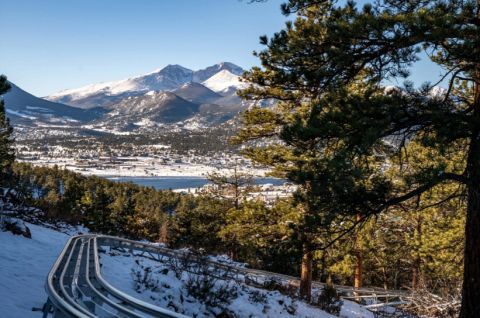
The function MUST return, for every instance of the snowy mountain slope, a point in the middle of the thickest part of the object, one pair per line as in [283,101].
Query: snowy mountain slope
[210,115]
[197,93]
[154,106]
[100,100]
[24,108]
[224,82]
[229,98]
[202,75]
[170,78]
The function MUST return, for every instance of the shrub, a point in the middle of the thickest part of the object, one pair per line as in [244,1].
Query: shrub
[142,277]
[257,296]
[207,290]
[329,300]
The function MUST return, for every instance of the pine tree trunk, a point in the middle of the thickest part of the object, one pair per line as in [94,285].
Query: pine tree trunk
[385,282]
[306,278]
[307,259]
[416,271]
[359,262]
[471,274]
[416,260]
[233,254]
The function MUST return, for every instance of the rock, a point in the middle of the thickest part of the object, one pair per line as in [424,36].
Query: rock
[17,230]
[27,233]
[164,271]
[18,227]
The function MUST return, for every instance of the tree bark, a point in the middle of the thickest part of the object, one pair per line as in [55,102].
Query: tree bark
[385,282]
[471,274]
[306,278]
[234,248]
[416,272]
[416,260]
[359,256]
[307,259]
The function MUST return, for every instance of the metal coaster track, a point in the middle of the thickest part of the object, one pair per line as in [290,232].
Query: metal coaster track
[76,288]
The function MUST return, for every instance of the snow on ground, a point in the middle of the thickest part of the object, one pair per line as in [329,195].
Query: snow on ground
[25,263]
[153,170]
[117,269]
[19,114]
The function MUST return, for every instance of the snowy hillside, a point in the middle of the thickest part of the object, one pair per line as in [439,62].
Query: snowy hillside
[25,264]
[156,106]
[26,109]
[223,82]
[166,289]
[197,93]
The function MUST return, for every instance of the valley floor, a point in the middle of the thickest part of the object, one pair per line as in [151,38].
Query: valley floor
[153,170]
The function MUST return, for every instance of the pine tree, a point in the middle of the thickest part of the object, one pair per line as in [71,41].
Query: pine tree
[198,222]
[232,188]
[264,234]
[320,58]
[7,153]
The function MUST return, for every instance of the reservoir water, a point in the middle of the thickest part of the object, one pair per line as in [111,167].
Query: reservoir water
[165,183]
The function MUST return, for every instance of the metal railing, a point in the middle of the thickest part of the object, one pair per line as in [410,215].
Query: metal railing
[76,288]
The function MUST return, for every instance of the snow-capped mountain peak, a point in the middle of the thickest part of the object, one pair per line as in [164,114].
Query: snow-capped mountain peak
[169,78]
[223,81]
[202,75]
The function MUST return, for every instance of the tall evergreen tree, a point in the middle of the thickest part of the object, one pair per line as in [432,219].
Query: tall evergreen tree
[347,134]
[7,153]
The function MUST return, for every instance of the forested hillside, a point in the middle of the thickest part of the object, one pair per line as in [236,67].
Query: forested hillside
[398,249]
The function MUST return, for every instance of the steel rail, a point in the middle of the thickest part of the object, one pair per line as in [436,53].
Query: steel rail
[60,305]
[104,298]
[132,301]
[145,247]
[76,288]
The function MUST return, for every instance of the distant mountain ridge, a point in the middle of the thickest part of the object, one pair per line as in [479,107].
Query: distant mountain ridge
[170,98]
[168,78]
[25,109]
[197,93]
[151,107]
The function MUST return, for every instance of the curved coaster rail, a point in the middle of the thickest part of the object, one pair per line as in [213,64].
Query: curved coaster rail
[76,288]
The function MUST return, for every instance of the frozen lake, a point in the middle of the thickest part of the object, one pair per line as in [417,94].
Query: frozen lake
[179,182]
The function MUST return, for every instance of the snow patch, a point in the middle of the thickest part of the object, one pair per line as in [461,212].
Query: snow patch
[42,109]
[19,114]
[222,81]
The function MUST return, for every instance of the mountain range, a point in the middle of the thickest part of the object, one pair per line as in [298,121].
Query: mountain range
[168,78]
[170,97]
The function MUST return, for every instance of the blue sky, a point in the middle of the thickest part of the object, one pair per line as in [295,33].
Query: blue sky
[50,45]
